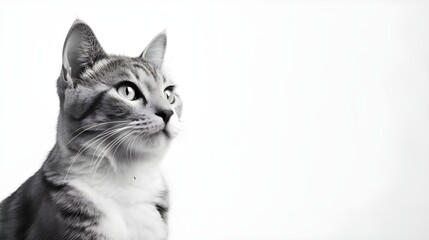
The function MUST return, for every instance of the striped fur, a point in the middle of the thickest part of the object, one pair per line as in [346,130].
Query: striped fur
[101,180]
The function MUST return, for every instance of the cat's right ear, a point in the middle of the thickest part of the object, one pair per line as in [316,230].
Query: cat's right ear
[81,50]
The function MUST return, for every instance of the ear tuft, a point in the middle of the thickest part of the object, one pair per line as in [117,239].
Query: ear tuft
[81,50]
[155,51]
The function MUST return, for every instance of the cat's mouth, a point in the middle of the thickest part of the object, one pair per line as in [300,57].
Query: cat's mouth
[166,132]
[163,132]
[155,131]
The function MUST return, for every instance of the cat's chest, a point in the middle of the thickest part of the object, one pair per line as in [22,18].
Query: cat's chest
[135,222]
[128,211]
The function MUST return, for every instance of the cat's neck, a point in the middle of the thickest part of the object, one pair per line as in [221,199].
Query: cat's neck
[63,166]
[140,182]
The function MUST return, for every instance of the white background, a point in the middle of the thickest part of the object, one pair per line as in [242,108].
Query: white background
[304,120]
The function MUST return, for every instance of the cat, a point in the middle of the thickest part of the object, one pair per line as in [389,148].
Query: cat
[101,180]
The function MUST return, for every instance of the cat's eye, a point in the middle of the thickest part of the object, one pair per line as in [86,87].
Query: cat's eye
[169,95]
[128,91]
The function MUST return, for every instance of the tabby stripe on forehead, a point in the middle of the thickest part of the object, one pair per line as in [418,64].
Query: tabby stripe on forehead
[100,64]
[134,72]
[152,70]
[135,65]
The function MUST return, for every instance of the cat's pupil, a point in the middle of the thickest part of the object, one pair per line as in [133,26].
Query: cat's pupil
[127,91]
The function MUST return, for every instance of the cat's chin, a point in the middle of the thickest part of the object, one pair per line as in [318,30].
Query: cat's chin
[138,148]
[157,142]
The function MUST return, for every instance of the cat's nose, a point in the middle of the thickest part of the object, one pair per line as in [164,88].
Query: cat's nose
[164,114]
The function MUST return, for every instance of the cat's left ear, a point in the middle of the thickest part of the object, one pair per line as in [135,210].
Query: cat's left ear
[155,51]
[81,50]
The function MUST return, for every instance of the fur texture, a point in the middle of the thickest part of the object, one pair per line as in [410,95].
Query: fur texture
[101,180]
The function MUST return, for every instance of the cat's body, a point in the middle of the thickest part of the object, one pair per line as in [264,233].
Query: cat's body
[102,179]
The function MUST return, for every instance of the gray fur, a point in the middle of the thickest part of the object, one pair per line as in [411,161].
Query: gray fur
[46,206]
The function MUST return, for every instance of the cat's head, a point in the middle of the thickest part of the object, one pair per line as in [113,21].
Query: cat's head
[115,106]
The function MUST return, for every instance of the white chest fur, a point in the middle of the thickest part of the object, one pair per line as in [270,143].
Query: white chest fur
[127,204]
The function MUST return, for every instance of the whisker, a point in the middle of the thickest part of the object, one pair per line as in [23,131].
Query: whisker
[128,151]
[123,140]
[90,127]
[104,139]
[107,149]
[141,136]
[83,148]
